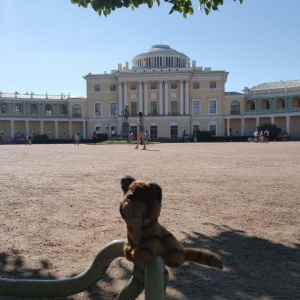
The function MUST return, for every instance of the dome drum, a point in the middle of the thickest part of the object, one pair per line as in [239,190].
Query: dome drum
[161,56]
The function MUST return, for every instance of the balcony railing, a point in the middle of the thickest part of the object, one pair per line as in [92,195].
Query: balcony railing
[76,115]
[235,112]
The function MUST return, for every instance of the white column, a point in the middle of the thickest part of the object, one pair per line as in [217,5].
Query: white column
[146,98]
[12,129]
[257,122]
[187,97]
[84,129]
[56,129]
[181,98]
[272,120]
[125,94]
[242,127]
[140,108]
[27,127]
[41,127]
[120,98]
[288,124]
[160,92]
[228,127]
[166,98]
[70,129]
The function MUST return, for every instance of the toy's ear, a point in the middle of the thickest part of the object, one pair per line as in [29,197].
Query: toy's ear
[125,183]
[156,190]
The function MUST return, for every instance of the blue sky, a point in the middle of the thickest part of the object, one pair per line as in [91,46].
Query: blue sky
[49,45]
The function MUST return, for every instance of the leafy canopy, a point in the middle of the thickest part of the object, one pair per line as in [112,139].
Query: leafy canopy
[184,7]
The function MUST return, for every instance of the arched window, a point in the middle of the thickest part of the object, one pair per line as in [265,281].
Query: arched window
[48,109]
[4,108]
[63,109]
[33,109]
[235,107]
[76,111]
[19,109]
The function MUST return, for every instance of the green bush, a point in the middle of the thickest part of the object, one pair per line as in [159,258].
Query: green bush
[101,137]
[273,129]
[203,136]
[41,139]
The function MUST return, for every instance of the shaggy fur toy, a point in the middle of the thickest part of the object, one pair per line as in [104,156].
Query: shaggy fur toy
[140,207]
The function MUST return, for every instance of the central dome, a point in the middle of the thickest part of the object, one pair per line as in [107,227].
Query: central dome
[161,56]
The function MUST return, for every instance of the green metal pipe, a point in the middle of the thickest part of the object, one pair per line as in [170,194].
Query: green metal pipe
[35,288]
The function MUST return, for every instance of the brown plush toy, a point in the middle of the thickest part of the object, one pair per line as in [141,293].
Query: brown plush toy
[140,207]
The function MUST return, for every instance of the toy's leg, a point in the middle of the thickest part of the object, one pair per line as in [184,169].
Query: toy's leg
[135,285]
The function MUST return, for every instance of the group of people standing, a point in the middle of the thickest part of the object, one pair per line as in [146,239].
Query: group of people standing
[262,136]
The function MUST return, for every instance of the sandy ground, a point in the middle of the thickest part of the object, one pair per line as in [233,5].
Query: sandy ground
[59,207]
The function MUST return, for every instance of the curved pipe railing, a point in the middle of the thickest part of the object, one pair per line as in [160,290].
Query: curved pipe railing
[65,287]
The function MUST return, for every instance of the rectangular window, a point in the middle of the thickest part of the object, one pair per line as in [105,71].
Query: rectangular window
[113,109]
[173,85]
[153,86]
[153,108]
[213,129]
[174,132]
[196,107]
[133,109]
[98,109]
[153,132]
[113,87]
[212,106]
[97,88]
[173,108]
[212,84]
[196,85]
[133,87]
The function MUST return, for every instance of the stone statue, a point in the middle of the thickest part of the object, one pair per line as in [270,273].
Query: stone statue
[125,113]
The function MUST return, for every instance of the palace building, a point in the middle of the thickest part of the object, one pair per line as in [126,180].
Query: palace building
[176,96]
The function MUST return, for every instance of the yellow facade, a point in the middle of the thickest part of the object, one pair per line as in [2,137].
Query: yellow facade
[175,96]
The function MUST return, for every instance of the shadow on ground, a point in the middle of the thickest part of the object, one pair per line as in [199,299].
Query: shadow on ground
[255,268]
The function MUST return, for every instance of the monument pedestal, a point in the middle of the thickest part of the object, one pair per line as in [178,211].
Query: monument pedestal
[125,130]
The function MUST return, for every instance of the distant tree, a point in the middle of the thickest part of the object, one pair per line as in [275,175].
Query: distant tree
[273,129]
[184,7]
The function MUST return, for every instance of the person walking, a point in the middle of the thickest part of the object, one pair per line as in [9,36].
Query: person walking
[76,140]
[130,137]
[94,138]
[141,134]
[266,134]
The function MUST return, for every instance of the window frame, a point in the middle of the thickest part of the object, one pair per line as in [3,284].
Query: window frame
[194,108]
[196,85]
[174,85]
[153,86]
[113,109]
[153,106]
[96,113]
[212,84]
[133,86]
[133,108]
[113,88]
[210,103]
